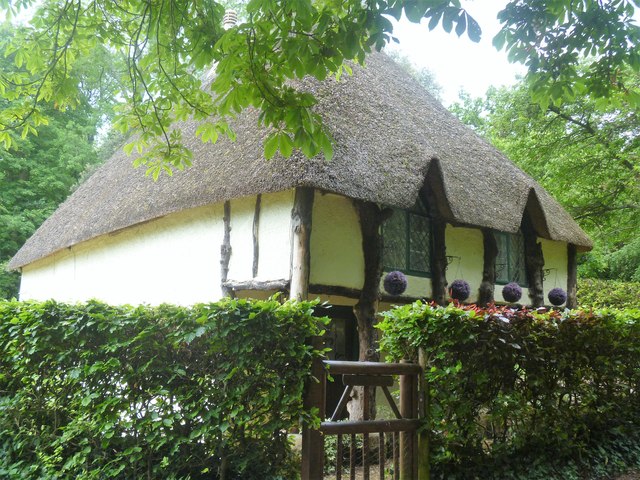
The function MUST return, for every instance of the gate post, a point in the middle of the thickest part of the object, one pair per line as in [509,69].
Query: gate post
[406,438]
[424,460]
[313,440]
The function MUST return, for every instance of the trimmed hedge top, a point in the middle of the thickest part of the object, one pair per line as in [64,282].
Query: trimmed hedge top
[524,394]
[93,391]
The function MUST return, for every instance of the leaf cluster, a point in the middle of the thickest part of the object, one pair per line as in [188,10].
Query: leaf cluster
[553,39]
[595,293]
[168,44]
[524,394]
[94,391]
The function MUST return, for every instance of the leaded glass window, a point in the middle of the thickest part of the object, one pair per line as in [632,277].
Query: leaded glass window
[407,241]
[510,263]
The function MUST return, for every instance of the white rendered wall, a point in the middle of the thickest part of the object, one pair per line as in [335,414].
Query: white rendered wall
[416,286]
[175,259]
[466,247]
[241,262]
[336,242]
[555,265]
[274,260]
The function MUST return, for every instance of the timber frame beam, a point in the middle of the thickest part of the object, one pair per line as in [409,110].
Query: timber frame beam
[572,276]
[225,251]
[534,261]
[487,287]
[301,216]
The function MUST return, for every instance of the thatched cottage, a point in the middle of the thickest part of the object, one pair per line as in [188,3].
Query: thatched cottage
[406,174]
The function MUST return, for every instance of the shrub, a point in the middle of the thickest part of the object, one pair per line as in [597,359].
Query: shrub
[524,394]
[593,293]
[94,391]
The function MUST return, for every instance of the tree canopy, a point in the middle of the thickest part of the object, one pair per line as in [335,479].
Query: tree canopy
[585,154]
[167,45]
[37,172]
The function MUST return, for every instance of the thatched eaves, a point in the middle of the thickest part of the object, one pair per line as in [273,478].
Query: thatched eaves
[387,129]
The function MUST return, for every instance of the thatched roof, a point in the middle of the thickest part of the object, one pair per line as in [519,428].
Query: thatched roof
[388,130]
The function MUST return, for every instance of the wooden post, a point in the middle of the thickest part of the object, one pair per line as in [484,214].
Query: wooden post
[424,460]
[487,286]
[406,438]
[572,276]
[225,251]
[313,440]
[439,262]
[256,236]
[534,261]
[415,381]
[300,248]
[370,218]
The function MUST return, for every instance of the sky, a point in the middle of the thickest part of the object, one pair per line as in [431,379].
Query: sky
[457,62]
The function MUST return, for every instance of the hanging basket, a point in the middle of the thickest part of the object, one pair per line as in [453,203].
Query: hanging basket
[460,290]
[395,283]
[512,292]
[557,296]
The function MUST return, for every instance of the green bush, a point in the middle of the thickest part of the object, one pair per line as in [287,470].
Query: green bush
[517,394]
[594,293]
[95,392]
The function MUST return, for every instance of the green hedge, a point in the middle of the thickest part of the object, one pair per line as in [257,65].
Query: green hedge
[95,392]
[525,394]
[594,293]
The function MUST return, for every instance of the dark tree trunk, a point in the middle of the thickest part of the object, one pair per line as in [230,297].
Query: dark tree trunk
[300,251]
[371,218]
[534,261]
[225,251]
[488,284]
[439,264]
[572,276]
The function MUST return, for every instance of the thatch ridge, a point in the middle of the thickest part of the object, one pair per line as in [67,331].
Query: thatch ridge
[387,130]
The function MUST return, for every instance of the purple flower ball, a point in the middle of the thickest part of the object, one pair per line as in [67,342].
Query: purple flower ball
[395,283]
[512,292]
[460,290]
[557,296]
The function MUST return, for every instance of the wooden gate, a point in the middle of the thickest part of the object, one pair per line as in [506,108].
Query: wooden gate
[393,454]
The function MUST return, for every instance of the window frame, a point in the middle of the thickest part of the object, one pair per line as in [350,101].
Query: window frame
[509,266]
[418,211]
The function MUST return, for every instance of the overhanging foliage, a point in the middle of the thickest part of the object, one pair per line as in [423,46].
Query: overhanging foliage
[168,43]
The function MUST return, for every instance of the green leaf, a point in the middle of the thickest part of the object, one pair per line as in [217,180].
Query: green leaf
[128,148]
[208,132]
[285,144]
[449,16]
[271,146]
[327,147]
[499,39]
[461,25]
[474,31]
[415,10]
